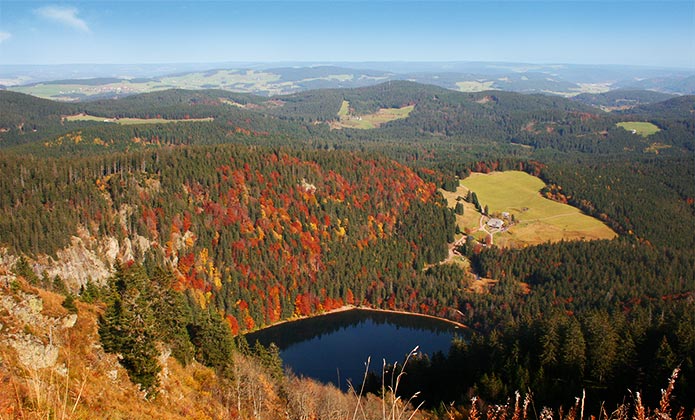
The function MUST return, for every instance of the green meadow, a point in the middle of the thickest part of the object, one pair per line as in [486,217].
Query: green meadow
[642,128]
[369,121]
[538,218]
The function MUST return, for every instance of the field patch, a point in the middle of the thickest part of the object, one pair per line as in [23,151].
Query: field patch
[249,81]
[75,91]
[365,122]
[238,81]
[232,103]
[642,128]
[516,195]
[474,86]
[344,110]
[656,147]
[131,121]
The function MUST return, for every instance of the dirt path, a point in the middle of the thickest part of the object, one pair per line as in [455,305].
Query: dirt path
[452,250]
[482,227]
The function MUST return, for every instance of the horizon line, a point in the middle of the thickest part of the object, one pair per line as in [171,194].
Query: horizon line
[317,63]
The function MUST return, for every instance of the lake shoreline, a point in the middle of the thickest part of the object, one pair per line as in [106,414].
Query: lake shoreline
[346,308]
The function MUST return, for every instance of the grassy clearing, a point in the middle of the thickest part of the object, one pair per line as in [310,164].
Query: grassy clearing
[470,219]
[130,121]
[232,103]
[538,219]
[344,110]
[642,128]
[369,121]
[473,86]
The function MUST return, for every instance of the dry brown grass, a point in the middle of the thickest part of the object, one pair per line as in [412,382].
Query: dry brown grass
[634,410]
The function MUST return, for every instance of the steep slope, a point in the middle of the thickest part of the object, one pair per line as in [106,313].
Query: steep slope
[262,235]
[53,365]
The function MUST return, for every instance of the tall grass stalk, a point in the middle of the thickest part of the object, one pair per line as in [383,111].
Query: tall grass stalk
[359,396]
[43,393]
[398,409]
[392,406]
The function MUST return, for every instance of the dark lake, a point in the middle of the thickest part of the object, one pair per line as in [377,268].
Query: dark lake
[335,347]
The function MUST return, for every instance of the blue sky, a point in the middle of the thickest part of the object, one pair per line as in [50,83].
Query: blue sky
[656,33]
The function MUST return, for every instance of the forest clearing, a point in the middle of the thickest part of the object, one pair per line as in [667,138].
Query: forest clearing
[369,121]
[644,129]
[536,219]
[131,121]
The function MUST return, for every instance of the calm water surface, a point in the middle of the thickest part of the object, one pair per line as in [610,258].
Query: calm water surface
[335,347]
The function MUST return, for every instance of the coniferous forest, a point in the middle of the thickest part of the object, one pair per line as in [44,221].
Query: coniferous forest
[265,213]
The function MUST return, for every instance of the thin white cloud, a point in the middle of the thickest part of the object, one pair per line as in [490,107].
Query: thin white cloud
[63,15]
[4,36]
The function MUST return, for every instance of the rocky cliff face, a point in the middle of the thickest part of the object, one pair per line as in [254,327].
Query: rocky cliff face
[79,262]
[35,337]
[88,258]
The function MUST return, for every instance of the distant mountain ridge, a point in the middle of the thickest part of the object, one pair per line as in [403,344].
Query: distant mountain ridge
[621,99]
[268,80]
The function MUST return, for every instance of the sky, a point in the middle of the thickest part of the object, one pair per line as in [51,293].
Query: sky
[650,33]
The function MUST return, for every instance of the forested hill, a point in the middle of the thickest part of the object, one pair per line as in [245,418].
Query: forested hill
[494,117]
[22,115]
[682,107]
[196,103]
[450,131]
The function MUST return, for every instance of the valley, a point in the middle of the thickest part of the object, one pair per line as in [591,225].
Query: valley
[347,210]
[337,340]
[258,211]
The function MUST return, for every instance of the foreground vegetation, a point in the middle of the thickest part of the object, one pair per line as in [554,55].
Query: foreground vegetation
[84,382]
